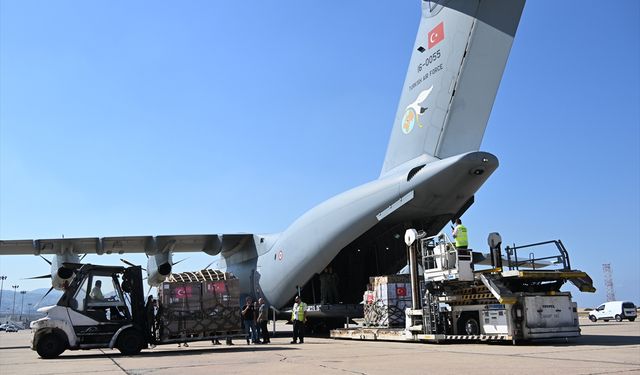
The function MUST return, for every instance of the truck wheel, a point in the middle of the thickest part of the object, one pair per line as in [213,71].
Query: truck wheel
[632,319]
[130,342]
[50,346]
[471,327]
[618,318]
[593,318]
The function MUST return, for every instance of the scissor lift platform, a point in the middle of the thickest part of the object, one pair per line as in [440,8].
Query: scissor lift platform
[521,301]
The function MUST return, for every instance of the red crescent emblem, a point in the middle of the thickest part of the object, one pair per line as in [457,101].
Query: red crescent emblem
[183,292]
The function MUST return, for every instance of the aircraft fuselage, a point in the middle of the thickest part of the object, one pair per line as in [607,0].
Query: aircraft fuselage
[313,241]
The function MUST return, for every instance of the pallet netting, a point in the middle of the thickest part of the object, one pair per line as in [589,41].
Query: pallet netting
[386,300]
[217,321]
[202,275]
[199,304]
[382,314]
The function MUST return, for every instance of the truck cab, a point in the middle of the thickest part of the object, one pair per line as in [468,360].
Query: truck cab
[102,308]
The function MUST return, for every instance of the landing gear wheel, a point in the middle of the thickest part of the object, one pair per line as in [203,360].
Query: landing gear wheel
[471,327]
[50,346]
[593,318]
[130,342]
[618,318]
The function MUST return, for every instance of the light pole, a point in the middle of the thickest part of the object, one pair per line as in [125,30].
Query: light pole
[2,279]
[23,292]
[13,309]
[29,311]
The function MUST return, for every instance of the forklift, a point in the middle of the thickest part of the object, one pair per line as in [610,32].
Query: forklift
[81,321]
[104,307]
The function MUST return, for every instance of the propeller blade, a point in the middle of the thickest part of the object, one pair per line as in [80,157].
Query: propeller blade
[82,257]
[45,296]
[208,265]
[181,260]
[37,277]
[45,259]
[129,263]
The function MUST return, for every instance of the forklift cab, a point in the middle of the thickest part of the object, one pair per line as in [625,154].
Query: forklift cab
[103,300]
[100,297]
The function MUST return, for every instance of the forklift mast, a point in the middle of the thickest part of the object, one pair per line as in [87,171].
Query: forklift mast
[132,284]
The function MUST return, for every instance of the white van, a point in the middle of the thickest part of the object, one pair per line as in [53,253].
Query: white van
[617,310]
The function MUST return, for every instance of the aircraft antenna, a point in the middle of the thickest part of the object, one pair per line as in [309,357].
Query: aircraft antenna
[608,282]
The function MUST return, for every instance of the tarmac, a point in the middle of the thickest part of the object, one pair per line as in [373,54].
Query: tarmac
[603,348]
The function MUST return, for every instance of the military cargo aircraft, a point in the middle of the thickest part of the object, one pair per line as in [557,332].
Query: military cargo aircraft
[429,176]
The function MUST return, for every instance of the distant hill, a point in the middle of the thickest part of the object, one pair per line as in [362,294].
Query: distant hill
[32,297]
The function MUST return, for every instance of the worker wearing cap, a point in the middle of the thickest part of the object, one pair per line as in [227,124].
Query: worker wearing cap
[460,235]
[298,317]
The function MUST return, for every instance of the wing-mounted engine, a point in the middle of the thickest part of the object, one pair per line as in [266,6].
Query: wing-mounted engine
[159,266]
[66,257]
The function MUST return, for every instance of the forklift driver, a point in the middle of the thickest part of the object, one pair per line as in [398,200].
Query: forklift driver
[96,292]
[102,308]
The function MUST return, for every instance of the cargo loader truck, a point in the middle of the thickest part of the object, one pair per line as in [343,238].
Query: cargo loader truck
[105,307]
[517,299]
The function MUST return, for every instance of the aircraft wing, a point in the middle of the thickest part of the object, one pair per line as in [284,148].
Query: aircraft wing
[212,244]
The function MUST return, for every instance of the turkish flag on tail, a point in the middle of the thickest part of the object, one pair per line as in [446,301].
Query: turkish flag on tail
[436,35]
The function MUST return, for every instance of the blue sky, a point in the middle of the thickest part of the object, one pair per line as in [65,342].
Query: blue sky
[148,118]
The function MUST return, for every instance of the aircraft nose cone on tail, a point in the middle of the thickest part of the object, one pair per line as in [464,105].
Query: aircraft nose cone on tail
[481,162]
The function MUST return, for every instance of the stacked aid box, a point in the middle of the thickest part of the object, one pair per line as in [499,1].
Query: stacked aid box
[199,304]
[386,301]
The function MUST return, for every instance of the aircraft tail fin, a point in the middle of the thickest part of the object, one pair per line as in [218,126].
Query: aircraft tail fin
[458,59]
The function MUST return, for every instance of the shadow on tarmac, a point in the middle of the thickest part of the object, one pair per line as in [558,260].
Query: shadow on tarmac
[150,353]
[584,340]
[604,340]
